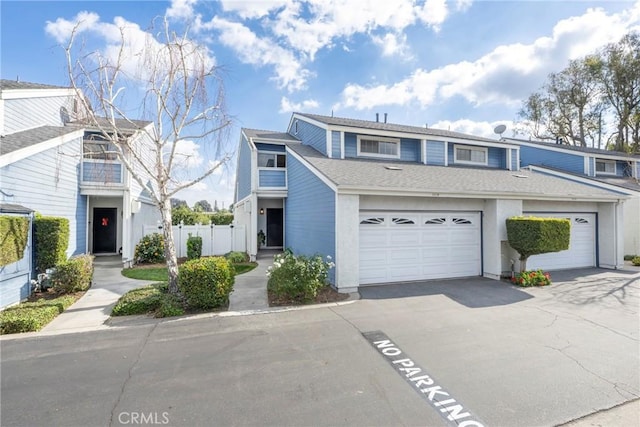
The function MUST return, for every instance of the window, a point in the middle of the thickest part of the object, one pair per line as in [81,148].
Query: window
[470,155]
[372,221]
[97,150]
[606,167]
[378,147]
[272,160]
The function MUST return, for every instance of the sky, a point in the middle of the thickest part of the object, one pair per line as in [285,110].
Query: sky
[463,65]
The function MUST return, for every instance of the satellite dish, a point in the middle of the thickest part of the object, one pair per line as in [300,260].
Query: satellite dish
[499,129]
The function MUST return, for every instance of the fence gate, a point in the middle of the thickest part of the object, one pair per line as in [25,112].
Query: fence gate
[216,239]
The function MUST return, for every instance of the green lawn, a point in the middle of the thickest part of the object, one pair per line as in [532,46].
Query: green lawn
[159,274]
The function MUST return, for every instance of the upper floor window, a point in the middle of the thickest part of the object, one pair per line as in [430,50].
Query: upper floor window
[606,167]
[379,147]
[467,154]
[99,150]
[272,160]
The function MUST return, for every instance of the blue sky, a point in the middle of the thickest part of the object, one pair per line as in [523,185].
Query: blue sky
[462,65]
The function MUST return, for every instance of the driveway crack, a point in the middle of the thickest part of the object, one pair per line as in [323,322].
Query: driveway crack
[130,373]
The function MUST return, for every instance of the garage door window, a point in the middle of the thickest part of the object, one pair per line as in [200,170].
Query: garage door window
[403,221]
[372,221]
[435,221]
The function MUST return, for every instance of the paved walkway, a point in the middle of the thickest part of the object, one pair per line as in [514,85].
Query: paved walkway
[250,289]
[94,308]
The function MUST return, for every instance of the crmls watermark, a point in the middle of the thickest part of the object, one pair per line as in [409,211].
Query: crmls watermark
[139,418]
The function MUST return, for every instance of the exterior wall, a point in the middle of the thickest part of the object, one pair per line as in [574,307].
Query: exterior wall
[148,214]
[267,204]
[15,278]
[243,171]
[261,146]
[637,175]
[102,172]
[624,168]
[272,178]
[49,183]
[28,113]
[631,212]
[592,166]
[336,152]
[497,253]
[549,206]
[436,153]
[350,145]
[310,210]
[312,135]
[146,150]
[242,217]
[554,159]
[410,150]
[515,161]
[348,243]
[420,204]
[610,236]
[496,157]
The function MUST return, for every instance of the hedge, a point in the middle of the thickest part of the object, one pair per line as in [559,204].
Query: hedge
[32,316]
[206,282]
[51,237]
[73,275]
[533,236]
[15,235]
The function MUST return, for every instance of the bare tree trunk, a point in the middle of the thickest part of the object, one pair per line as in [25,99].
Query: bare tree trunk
[169,247]
[523,264]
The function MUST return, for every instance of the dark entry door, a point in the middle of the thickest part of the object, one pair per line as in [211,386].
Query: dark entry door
[274,227]
[104,230]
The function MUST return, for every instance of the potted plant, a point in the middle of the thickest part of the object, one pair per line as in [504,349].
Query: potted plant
[261,238]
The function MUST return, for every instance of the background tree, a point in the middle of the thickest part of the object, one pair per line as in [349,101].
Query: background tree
[202,206]
[169,80]
[178,202]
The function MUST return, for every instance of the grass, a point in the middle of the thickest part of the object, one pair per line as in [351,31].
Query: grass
[159,274]
[34,315]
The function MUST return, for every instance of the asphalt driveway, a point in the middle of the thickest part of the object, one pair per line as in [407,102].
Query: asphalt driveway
[503,355]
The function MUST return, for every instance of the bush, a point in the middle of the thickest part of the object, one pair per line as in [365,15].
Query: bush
[532,236]
[152,299]
[150,249]
[194,247]
[636,261]
[298,278]
[206,282]
[630,257]
[237,257]
[32,316]
[15,232]
[51,240]
[532,278]
[73,275]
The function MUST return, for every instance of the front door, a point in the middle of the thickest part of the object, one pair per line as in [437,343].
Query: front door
[104,230]
[274,227]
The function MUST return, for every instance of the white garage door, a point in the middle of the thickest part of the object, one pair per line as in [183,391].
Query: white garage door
[405,246]
[582,247]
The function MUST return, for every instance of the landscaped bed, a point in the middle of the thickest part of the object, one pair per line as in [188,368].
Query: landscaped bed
[34,314]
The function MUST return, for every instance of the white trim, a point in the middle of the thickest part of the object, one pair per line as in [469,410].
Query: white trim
[36,93]
[273,141]
[586,165]
[446,153]
[308,120]
[23,153]
[584,180]
[508,151]
[252,147]
[518,159]
[423,147]
[606,162]
[312,169]
[378,139]
[341,144]
[2,116]
[456,161]
[329,144]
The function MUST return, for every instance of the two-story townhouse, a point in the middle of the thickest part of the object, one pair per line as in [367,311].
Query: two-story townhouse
[396,203]
[609,169]
[53,164]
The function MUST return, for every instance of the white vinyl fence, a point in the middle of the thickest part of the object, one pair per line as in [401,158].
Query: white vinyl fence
[216,239]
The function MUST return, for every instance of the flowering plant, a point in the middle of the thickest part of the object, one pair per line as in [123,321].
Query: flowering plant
[532,278]
[298,277]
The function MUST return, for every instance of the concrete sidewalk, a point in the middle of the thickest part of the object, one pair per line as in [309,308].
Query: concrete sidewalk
[250,289]
[91,311]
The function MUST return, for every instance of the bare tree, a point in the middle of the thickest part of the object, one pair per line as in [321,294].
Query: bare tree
[174,85]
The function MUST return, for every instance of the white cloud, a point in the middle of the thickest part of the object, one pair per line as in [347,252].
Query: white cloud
[433,13]
[508,73]
[251,9]
[393,45]
[187,155]
[286,106]
[181,9]
[471,127]
[259,51]
[61,29]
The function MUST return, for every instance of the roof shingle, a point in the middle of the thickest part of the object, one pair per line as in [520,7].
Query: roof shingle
[27,138]
[15,84]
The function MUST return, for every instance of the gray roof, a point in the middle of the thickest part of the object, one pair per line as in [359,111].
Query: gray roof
[589,150]
[446,180]
[625,182]
[121,124]
[15,84]
[268,134]
[13,208]
[366,124]
[26,138]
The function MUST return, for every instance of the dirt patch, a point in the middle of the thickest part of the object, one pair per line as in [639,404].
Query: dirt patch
[50,294]
[326,294]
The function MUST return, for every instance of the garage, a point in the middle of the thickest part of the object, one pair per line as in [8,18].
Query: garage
[409,246]
[582,247]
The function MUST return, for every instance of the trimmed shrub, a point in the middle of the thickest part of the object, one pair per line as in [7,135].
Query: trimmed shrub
[73,275]
[221,218]
[150,249]
[152,299]
[51,240]
[32,316]
[237,257]
[630,257]
[533,236]
[532,278]
[298,278]
[15,235]
[170,305]
[194,247]
[636,261]
[206,282]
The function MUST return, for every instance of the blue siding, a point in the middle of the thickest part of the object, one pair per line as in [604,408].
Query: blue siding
[309,214]
[637,170]
[623,168]
[261,146]
[243,170]
[435,153]
[514,160]
[555,159]
[335,144]
[49,183]
[272,178]
[28,113]
[410,150]
[311,135]
[102,172]
[350,145]
[497,158]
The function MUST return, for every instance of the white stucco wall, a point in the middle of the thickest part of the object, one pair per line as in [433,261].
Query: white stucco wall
[632,226]
[347,242]
[496,254]
[242,216]
[610,235]
[420,203]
